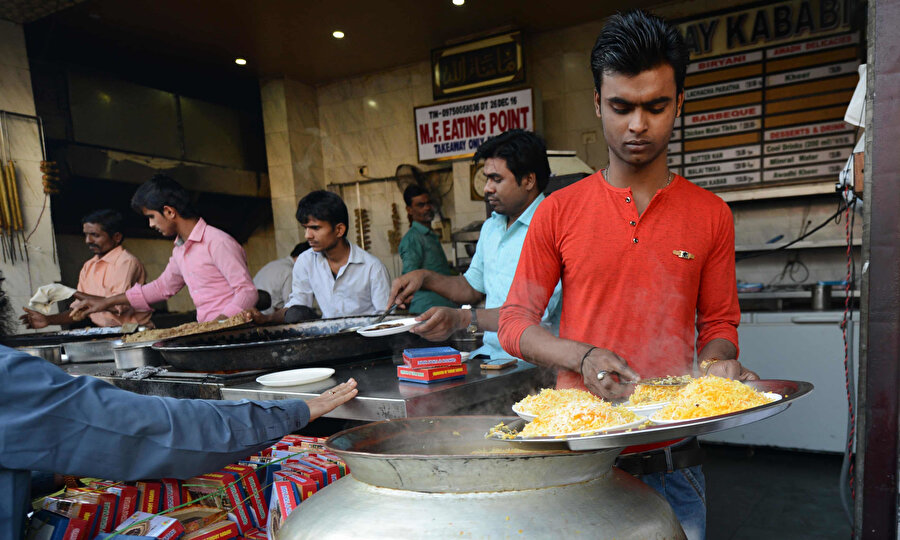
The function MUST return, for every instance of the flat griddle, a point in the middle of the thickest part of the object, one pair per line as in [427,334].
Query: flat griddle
[61,337]
[320,342]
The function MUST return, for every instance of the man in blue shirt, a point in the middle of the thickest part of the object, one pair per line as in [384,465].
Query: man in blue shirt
[421,248]
[517,172]
[53,422]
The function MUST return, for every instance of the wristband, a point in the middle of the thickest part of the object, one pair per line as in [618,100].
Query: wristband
[583,358]
[706,364]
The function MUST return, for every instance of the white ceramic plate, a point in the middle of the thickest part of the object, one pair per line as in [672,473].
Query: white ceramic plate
[399,325]
[293,377]
[598,431]
[647,409]
[774,397]
[523,415]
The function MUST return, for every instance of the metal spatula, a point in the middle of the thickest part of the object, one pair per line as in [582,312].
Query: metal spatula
[387,312]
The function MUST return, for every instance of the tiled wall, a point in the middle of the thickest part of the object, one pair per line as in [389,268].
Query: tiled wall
[24,145]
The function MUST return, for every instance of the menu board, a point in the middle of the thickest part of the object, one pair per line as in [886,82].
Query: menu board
[765,115]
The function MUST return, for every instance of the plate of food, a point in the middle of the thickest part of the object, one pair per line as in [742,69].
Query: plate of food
[711,396]
[387,328]
[294,377]
[647,409]
[522,414]
[525,434]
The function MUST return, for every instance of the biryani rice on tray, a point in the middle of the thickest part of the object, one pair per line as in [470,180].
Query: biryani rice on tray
[660,390]
[711,396]
[571,411]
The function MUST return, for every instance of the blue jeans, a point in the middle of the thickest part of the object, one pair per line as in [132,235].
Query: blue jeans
[685,491]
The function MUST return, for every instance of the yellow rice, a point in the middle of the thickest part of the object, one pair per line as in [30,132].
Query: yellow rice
[711,396]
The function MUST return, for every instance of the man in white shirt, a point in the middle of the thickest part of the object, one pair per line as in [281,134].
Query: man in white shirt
[342,278]
[276,278]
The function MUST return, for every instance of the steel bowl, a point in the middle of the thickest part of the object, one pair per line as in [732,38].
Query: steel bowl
[50,353]
[135,355]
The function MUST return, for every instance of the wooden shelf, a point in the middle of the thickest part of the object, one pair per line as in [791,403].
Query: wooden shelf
[778,192]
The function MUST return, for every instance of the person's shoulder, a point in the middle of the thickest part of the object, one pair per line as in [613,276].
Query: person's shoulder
[575,191]
[701,196]
[129,257]
[215,234]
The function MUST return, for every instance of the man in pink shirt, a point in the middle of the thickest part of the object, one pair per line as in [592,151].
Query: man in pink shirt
[112,270]
[207,260]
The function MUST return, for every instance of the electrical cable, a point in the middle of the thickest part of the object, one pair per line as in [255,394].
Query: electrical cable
[846,486]
[794,241]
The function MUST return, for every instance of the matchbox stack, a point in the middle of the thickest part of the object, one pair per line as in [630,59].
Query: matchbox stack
[246,500]
[431,364]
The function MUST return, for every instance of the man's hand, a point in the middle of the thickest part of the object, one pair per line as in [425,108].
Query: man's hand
[87,304]
[731,369]
[441,322]
[331,399]
[33,319]
[256,316]
[404,287]
[603,360]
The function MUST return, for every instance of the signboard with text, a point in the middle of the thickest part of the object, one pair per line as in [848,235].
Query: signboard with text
[456,129]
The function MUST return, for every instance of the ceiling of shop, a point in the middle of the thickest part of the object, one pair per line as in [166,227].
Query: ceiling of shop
[281,37]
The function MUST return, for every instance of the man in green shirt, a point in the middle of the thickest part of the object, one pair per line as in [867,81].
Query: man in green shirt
[421,248]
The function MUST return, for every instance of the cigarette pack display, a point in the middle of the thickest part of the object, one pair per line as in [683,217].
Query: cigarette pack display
[127,499]
[73,508]
[171,493]
[150,496]
[305,486]
[217,531]
[196,517]
[319,474]
[431,375]
[224,492]
[144,524]
[332,470]
[263,474]
[431,357]
[256,534]
[259,512]
[345,469]
[106,507]
[47,525]
[285,498]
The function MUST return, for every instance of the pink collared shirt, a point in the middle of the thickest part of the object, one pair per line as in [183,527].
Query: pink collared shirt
[109,275]
[212,265]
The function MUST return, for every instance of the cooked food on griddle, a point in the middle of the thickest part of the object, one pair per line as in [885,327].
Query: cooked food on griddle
[187,329]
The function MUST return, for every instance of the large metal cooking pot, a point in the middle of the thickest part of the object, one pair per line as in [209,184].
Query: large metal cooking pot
[283,346]
[439,477]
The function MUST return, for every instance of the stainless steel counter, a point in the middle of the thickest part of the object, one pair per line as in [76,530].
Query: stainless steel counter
[381,396]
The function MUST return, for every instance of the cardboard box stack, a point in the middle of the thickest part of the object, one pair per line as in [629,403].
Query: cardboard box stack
[245,500]
[431,364]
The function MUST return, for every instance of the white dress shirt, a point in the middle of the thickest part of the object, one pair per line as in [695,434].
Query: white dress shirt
[361,286]
[276,279]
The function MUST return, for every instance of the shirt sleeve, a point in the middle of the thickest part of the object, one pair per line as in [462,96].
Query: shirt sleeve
[286,288]
[537,275]
[412,253]
[230,259]
[165,286]
[380,288]
[718,311]
[475,274]
[301,287]
[127,273]
[86,427]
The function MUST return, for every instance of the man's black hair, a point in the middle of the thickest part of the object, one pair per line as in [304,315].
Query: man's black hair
[524,153]
[299,248]
[413,191]
[324,206]
[111,221]
[635,41]
[160,191]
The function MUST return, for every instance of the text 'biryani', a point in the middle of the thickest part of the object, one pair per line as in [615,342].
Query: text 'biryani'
[711,396]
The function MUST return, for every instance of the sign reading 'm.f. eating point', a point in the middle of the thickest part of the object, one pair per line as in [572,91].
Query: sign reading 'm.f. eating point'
[456,129]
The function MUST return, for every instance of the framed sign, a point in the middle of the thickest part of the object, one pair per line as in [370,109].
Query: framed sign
[455,130]
[477,66]
[765,95]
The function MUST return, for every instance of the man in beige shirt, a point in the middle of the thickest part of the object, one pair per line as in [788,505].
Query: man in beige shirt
[111,271]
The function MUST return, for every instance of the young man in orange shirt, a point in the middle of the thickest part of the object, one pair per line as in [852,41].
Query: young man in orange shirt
[646,258]
[112,270]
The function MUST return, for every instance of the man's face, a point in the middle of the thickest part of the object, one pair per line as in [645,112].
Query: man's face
[321,235]
[502,192]
[99,241]
[421,210]
[158,220]
[638,113]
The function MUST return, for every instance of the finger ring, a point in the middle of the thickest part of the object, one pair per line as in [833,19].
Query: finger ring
[602,375]
[332,392]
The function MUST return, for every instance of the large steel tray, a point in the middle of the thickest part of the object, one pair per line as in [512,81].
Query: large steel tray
[791,390]
[63,336]
[319,342]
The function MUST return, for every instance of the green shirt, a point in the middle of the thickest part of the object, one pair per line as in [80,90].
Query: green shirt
[421,248]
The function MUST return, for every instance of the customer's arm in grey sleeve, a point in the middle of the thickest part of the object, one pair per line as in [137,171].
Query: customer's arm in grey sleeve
[51,421]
